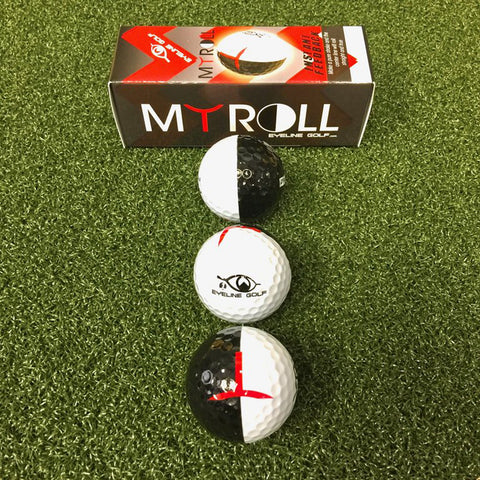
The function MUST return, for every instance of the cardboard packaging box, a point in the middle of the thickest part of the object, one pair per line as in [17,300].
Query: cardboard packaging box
[192,86]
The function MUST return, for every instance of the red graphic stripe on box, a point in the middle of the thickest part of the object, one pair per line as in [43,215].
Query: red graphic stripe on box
[168,58]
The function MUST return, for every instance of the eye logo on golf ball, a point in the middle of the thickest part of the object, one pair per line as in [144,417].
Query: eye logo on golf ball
[239,283]
[252,52]
[241,384]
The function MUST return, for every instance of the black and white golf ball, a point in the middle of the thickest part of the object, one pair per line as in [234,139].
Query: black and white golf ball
[241,384]
[252,52]
[240,178]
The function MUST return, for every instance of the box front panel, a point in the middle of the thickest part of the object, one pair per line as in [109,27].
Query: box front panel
[199,114]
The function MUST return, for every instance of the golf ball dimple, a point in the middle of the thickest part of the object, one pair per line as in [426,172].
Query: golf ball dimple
[252,52]
[241,274]
[252,384]
[240,178]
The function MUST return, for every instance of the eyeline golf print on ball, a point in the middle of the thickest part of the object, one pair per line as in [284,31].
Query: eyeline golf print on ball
[240,178]
[241,384]
[241,274]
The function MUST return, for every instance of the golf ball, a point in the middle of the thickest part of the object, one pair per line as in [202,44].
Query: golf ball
[241,384]
[252,52]
[240,178]
[241,274]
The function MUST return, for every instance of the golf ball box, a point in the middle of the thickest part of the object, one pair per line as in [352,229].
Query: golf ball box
[192,86]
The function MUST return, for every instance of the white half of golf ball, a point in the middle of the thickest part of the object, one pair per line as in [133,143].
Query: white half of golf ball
[217,178]
[269,370]
[241,274]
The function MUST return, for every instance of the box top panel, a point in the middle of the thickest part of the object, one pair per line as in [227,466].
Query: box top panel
[241,55]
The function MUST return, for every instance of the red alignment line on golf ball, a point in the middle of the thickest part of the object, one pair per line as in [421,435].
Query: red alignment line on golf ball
[239,391]
[236,59]
[225,231]
[239,371]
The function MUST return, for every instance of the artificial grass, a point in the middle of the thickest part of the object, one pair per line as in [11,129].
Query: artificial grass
[98,313]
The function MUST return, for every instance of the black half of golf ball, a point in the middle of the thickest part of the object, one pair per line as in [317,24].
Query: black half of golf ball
[249,67]
[260,177]
[212,372]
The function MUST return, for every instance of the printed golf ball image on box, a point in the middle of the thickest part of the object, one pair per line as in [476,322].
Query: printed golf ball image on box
[252,52]
[241,178]
[241,384]
[241,274]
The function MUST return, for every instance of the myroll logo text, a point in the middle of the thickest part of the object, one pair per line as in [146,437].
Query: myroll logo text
[273,118]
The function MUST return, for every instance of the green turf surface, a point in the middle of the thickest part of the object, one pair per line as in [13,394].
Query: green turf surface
[98,312]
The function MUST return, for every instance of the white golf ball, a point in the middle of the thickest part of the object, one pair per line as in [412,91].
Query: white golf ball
[241,384]
[252,52]
[241,274]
